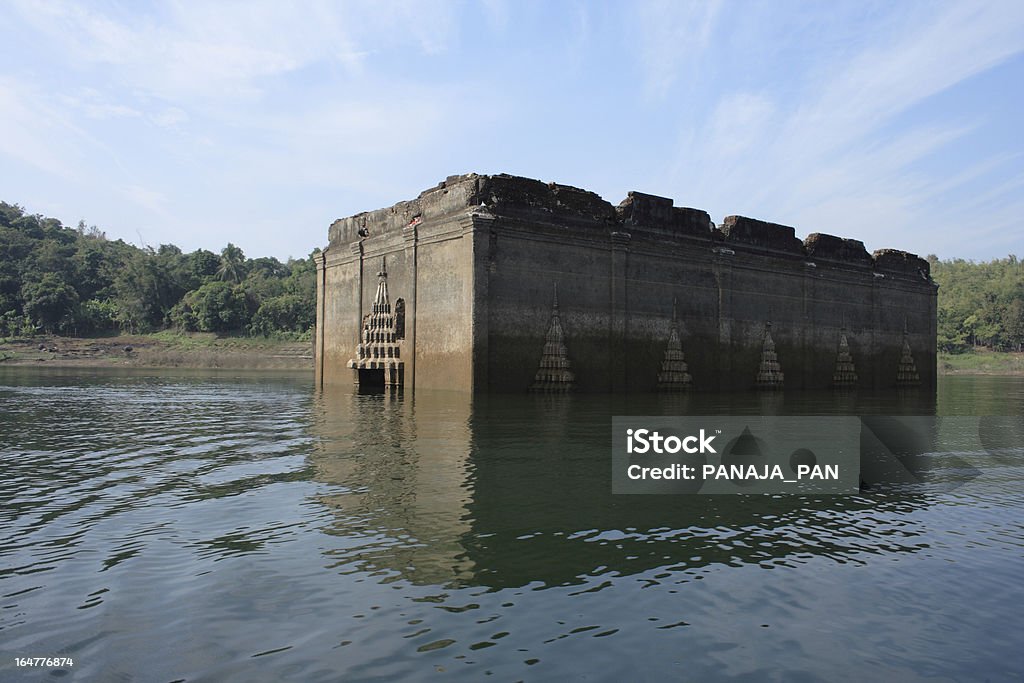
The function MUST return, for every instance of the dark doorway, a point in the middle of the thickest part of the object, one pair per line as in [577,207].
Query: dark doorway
[400,319]
[371,378]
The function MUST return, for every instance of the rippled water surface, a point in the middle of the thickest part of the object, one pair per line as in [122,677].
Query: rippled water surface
[160,527]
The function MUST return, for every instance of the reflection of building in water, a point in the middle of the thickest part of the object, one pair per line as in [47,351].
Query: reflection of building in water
[542,507]
[512,490]
[403,482]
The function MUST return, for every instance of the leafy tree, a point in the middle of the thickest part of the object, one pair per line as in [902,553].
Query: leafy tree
[288,313]
[88,268]
[50,302]
[214,307]
[97,316]
[1015,323]
[267,267]
[12,324]
[15,254]
[136,289]
[203,265]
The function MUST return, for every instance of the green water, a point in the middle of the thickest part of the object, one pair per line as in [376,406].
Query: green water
[160,526]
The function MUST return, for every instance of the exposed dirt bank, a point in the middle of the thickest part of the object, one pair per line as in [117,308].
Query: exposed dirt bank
[158,351]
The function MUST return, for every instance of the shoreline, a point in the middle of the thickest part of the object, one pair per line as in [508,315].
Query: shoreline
[983,363]
[204,351]
[156,351]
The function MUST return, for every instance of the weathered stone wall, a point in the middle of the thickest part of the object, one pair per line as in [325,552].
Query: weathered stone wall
[428,252]
[477,259]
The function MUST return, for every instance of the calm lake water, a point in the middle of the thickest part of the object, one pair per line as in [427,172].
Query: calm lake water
[160,526]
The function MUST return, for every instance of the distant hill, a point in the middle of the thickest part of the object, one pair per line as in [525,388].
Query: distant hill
[76,282]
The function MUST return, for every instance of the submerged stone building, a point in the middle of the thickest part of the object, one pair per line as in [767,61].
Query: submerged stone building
[500,283]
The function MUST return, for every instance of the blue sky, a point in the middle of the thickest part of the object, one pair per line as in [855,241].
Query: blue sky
[897,123]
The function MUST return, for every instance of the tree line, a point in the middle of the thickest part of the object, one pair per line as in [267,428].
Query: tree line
[980,304]
[76,282]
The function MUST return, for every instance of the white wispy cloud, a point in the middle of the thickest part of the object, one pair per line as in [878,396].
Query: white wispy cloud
[40,133]
[674,36]
[188,49]
[223,92]
[169,117]
[250,113]
[838,158]
[888,76]
[146,197]
[497,14]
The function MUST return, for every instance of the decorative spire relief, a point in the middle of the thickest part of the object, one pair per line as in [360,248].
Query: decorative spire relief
[674,375]
[845,374]
[906,371]
[769,373]
[379,348]
[555,373]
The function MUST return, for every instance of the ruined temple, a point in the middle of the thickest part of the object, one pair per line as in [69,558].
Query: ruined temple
[468,299]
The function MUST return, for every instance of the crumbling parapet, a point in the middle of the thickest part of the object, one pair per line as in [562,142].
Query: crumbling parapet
[902,262]
[579,209]
[762,235]
[849,252]
[650,211]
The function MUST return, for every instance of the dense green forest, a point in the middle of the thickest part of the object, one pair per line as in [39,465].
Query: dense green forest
[980,304]
[76,282]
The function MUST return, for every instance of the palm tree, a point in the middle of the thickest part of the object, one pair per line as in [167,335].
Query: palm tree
[232,264]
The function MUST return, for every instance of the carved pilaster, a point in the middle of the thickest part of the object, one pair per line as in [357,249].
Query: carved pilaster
[411,238]
[358,252]
[321,323]
[721,266]
[484,244]
[618,361]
